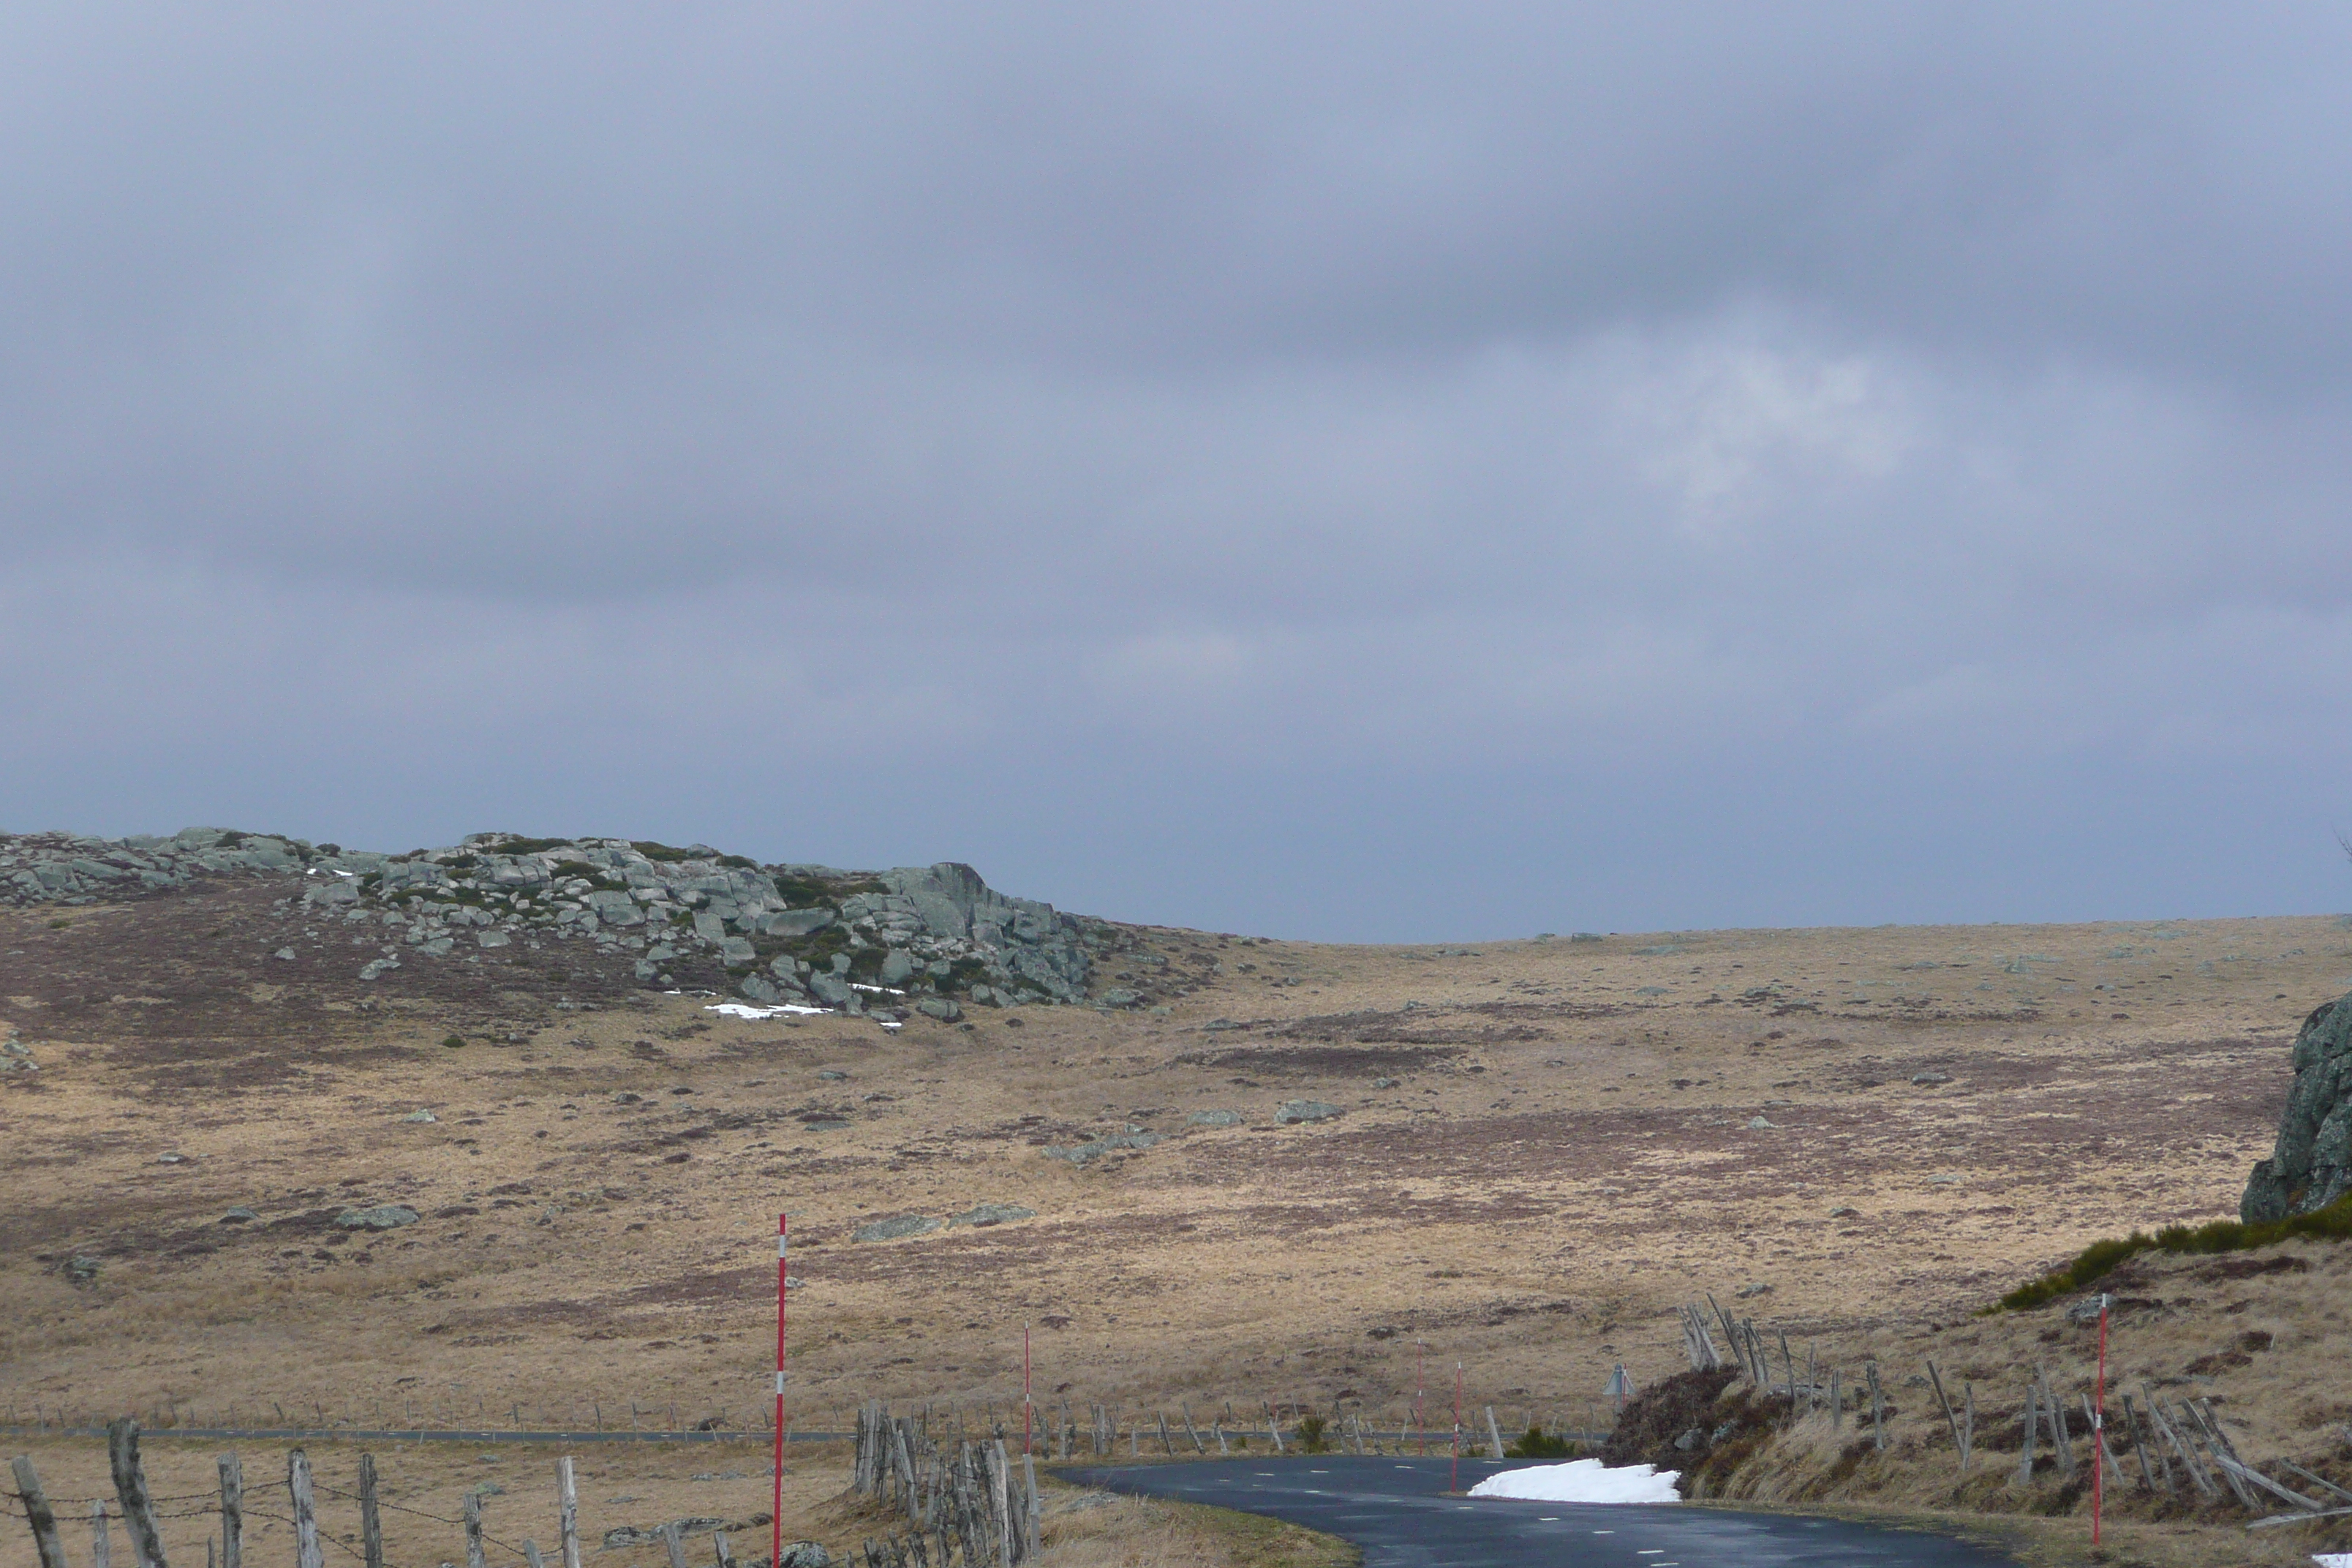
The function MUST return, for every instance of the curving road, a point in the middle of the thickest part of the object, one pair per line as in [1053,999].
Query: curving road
[1399,1512]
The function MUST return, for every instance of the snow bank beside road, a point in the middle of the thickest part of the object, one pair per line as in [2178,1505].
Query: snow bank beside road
[1582,1481]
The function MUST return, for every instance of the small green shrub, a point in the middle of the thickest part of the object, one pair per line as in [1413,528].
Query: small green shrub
[1311,1438]
[1537,1444]
[2101,1258]
[739,862]
[455,1042]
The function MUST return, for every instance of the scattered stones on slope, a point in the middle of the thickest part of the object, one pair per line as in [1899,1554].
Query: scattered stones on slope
[1292,1112]
[2311,1165]
[1094,1148]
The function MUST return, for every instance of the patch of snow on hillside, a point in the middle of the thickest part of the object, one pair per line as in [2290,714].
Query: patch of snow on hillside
[745,1010]
[1582,1481]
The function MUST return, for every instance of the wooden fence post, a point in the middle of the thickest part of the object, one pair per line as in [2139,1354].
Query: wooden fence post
[2054,1411]
[307,1553]
[2099,1442]
[131,1490]
[371,1522]
[1493,1434]
[1033,1507]
[473,1529]
[671,1543]
[2024,1477]
[1935,1380]
[567,1497]
[2141,1444]
[1000,1498]
[101,1552]
[36,1511]
[232,1493]
[2188,1460]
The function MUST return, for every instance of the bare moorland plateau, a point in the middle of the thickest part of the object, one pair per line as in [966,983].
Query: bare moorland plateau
[1539,1149]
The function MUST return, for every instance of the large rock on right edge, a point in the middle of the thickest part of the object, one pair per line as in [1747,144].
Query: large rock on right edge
[2311,1166]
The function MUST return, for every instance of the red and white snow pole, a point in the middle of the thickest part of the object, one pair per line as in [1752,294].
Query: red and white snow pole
[2099,1423]
[783,1235]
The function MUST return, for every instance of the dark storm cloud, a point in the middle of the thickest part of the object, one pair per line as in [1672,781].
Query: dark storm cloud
[1176,455]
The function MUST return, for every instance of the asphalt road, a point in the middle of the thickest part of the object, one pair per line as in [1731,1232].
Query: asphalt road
[1397,1510]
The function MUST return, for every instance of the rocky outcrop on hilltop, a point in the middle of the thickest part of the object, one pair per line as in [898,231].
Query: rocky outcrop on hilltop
[2312,1165]
[936,936]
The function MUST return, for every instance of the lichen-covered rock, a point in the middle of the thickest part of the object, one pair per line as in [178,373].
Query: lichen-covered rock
[2311,1165]
[895,1227]
[1094,1148]
[383,1216]
[1292,1112]
[992,1214]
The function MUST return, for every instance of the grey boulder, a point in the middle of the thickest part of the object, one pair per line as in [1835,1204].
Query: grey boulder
[383,1216]
[2311,1165]
[1291,1111]
[892,1229]
[943,1008]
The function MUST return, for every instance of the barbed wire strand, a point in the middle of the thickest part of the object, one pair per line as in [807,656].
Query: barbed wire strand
[251,1512]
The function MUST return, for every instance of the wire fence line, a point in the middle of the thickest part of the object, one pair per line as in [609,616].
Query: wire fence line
[141,1513]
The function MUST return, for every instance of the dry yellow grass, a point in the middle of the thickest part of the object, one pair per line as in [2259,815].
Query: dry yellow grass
[1545,1146]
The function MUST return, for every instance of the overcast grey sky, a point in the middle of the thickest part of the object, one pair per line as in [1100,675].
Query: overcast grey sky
[1348,471]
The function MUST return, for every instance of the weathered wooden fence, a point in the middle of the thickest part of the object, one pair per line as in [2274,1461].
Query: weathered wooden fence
[961,1498]
[2155,1433]
[139,1513]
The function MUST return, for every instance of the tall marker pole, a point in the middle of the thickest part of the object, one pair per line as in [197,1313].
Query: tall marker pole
[2099,1422]
[783,1235]
[1028,1407]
